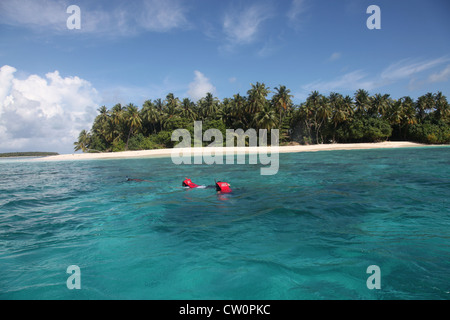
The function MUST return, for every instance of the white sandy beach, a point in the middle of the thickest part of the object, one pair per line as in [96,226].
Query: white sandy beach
[236,150]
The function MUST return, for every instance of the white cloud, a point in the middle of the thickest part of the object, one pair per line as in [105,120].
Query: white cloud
[350,81]
[269,48]
[335,56]
[200,86]
[408,67]
[44,114]
[107,19]
[125,94]
[163,15]
[242,26]
[35,13]
[296,9]
[6,77]
[441,76]
[404,70]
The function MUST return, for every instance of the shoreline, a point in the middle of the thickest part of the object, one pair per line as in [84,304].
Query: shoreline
[161,153]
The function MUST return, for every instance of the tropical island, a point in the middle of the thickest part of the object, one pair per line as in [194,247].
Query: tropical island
[27,154]
[321,119]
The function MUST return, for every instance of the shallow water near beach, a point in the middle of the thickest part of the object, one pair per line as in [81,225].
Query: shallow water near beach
[308,232]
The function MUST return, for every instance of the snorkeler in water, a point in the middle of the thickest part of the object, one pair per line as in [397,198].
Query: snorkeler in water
[221,187]
[188,183]
[138,180]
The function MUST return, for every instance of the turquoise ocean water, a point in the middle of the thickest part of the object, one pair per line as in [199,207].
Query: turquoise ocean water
[309,232]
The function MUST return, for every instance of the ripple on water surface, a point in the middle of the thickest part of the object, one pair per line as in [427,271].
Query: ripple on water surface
[309,232]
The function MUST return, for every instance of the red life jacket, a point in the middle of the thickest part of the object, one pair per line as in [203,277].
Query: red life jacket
[223,187]
[189,183]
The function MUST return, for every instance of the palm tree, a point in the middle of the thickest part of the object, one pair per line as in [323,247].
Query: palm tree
[150,116]
[395,115]
[110,132]
[224,112]
[257,97]
[159,105]
[424,105]
[338,111]
[117,116]
[282,100]
[379,105]
[117,113]
[83,141]
[401,114]
[170,111]
[187,109]
[103,114]
[238,116]
[133,120]
[172,104]
[323,115]
[266,119]
[100,125]
[209,106]
[409,113]
[442,106]
[362,102]
[305,112]
[316,112]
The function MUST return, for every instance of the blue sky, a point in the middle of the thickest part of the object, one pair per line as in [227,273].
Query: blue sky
[52,79]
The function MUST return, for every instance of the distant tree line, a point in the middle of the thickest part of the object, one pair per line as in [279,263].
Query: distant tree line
[320,119]
[27,154]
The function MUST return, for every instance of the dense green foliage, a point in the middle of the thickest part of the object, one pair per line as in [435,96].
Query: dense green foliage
[27,154]
[320,119]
